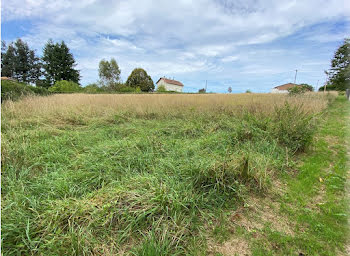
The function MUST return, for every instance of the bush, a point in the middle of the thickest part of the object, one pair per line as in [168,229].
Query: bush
[65,86]
[296,90]
[293,127]
[126,89]
[92,88]
[161,88]
[12,90]
[329,87]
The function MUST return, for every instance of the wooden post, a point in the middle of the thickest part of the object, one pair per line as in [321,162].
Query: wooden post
[348,94]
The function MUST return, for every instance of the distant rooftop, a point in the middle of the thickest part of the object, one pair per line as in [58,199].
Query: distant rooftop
[170,81]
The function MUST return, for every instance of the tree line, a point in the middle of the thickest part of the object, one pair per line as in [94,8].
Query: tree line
[339,73]
[56,70]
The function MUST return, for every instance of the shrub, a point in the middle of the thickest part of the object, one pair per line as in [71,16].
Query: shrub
[329,87]
[201,90]
[92,88]
[161,88]
[65,86]
[307,87]
[296,90]
[126,89]
[293,127]
[248,91]
[12,90]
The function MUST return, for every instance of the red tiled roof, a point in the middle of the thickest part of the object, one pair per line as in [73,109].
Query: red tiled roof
[7,78]
[286,86]
[169,81]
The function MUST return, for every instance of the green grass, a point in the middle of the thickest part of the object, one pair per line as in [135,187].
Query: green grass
[315,200]
[149,185]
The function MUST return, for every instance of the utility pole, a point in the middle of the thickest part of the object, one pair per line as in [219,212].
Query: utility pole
[295,77]
[206,85]
[316,89]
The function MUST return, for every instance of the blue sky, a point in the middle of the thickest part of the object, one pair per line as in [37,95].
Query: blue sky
[245,44]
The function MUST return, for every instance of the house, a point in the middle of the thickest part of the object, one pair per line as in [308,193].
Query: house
[170,85]
[283,88]
[7,78]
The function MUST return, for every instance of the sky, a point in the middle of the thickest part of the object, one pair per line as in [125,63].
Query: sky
[243,44]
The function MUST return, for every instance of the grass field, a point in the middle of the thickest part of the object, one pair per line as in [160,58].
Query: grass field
[173,174]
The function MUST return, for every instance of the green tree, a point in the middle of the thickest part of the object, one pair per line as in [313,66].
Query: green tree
[65,86]
[20,62]
[109,73]
[59,63]
[307,87]
[339,74]
[140,78]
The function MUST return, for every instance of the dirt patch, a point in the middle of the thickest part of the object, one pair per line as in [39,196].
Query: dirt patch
[260,213]
[235,246]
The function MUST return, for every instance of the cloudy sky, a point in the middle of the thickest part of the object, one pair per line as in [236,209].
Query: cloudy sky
[245,44]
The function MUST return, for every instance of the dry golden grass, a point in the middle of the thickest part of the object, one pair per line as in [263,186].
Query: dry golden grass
[100,106]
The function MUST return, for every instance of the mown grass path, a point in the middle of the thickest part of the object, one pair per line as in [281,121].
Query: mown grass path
[315,201]
[307,212]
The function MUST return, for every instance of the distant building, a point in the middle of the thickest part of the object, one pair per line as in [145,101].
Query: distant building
[170,85]
[7,78]
[283,88]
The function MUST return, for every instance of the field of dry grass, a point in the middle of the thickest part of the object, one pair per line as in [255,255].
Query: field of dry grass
[99,106]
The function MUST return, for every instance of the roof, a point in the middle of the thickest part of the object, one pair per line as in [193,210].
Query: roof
[7,78]
[286,86]
[169,81]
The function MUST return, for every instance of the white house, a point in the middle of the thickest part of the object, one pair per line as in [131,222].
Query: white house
[170,85]
[283,88]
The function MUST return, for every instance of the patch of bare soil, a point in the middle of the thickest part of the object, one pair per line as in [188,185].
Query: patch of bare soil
[263,212]
[234,246]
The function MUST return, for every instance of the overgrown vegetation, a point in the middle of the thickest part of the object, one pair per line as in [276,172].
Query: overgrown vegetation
[12,90]
[65,86]
[140,174]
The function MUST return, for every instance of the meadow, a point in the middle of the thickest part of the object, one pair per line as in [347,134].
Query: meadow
[150,174]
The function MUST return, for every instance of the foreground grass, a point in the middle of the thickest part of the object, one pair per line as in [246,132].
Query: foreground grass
[145,174]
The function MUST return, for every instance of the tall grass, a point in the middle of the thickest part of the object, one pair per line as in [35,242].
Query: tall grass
[139,174]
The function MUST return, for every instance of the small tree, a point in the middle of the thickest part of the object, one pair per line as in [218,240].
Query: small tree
[229,89]
[109,73]
[140,78]
[201,90]
[65,86]
[59,63]
[248,91]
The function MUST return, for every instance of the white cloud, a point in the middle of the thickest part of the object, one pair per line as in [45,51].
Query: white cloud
[179,37]
[229,58]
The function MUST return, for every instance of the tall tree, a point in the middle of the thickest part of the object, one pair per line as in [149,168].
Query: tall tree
[109,73]
[140,78]
[339,74]
[20,62]
[59,63]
